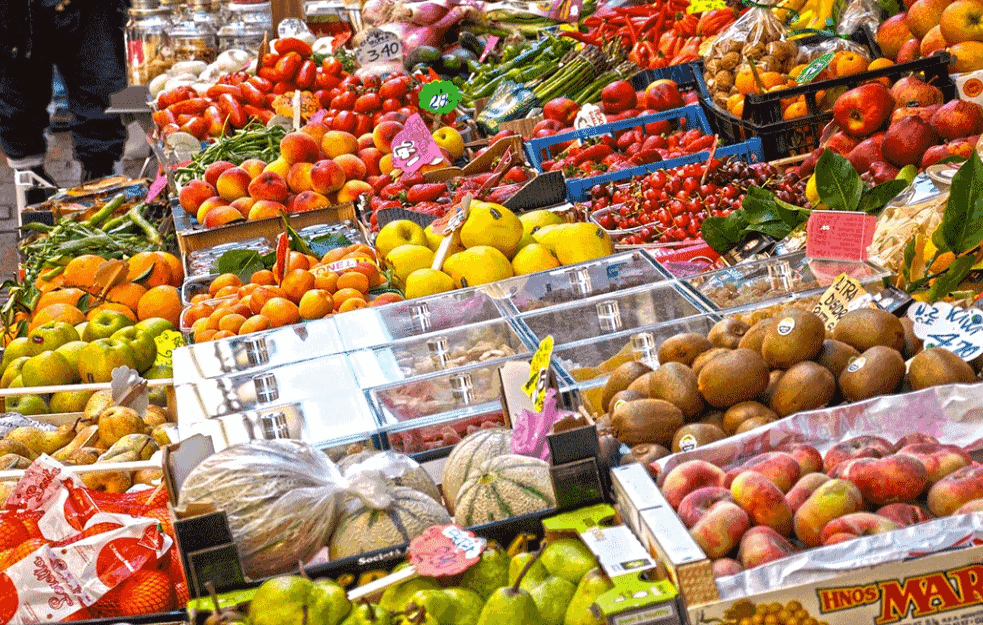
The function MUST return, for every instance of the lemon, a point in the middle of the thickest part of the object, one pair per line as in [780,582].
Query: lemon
[812,193]
[406,259]
[396,233]
[434,240]
[492,225]
[427,281]
[478,265]
[532,258]
[575,243]
[533,221]
[526,239]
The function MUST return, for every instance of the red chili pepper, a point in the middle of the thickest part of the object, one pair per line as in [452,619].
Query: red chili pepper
[292,44]
[233,110]
[630,28]
[269,59]
[306,74]
[288,65]
[194,106]
[216,90]
[579,36]
[262,114]
[252,95]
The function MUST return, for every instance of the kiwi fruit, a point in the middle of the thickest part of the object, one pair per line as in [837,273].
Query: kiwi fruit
[866,327]
[739,413]
[706,357]
[752,423]
[796,335]
[734,377]
[878,371]
[620,379]
[695,435]
[835,356]
[773,379]
[714,417]
[683,348]
[727,333]
[755,335]
[912,344]
[646,453]
[936,366]
[675,383]
[646,421]
[806,386]
[624,396]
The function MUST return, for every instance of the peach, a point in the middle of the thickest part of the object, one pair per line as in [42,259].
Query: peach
[970,507]
[338,142]
[269,186]
[904,514]
[854,525]
[253,166]
[299,177]
[894,479]
[689,476]
[353,166]
[806,485]
[214,170]
[939,460]
[208,205]
[266,209]
[193,194]
[951,492]
[233,183]
[279,167]
[372,158]
[764,502]
[221,215]
[243,205]
[720,531]
[857,447]
[365,141]
[327,176]
[725,567]
[316,130]
[780,468]
[914,438]
[808,457]
[384,134]
[353,189]
[299,147]
[309,201]
[695,505]
[761,545]
[830,501]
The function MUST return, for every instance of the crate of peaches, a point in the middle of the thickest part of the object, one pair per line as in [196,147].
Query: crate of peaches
[307,288]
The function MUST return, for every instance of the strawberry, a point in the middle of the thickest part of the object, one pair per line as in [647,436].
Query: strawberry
[412,179]
[429,208]
[144,592]
[425,192]
[392,191]
[515,174]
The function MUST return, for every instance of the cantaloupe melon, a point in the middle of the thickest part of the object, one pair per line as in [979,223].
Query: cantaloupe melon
[362,528]
[468,455]
[417,479]
[504,487]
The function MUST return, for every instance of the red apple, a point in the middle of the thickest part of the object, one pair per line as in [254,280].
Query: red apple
[911,91]
[867,152]
[906,141]
[862,110]
[925,112]
[618,96]
[892,34]
[842,143]
[663,95]
[561,109]
[882,172]
[958,118]
[552,124]
[911,50]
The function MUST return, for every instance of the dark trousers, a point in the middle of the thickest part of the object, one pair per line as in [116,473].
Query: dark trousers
[85,41]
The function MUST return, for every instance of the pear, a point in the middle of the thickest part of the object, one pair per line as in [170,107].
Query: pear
[11,446]
[293,600]
[85,436]
[150,477]
[133,447]
[85,455]
[490,573]
[512,604]
[534,576]
[366,613]
[160,435]
[594,584]
[552,597]
[397,597]
[41,442]
[116,422]
[108,481]
[449,606]
[13,461]
[568,558]
[155,415]
[99,401]
[416,616]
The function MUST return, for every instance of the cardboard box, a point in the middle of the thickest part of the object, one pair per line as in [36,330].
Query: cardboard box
[522,126]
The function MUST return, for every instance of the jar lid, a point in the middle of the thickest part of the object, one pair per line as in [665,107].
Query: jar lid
[250,6]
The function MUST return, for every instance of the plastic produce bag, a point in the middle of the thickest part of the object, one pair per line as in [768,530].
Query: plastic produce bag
[860,13]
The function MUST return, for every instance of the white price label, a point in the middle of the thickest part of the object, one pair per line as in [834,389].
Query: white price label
[588,117]
[379,46]
[944,325]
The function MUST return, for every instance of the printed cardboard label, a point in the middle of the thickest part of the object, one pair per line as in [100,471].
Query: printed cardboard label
[414,146]
[839,235]
[844,295]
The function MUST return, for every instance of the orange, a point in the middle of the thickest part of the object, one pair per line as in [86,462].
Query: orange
[262,295]
[224,280]
[111,306]
[311,260]
[796,109]
[162,301]
[127,294]
[227,291]
[49,285]
[58,312]
[738,110]
[851,63]
[222,334]
[296,283]
[231,322]
[352,304]
[733,101]
[345,294]
[326,280]
[281,312]
[296,260]
[315,304]
[81,271]
[68,296]
[256,323]
[263,276]
[772,79]
[204,334]
[881,63]
[745,83]
[177,269]
[354,280]
[151,267]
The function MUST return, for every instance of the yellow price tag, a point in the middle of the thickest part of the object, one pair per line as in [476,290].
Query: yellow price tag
[702,6]
[840,298]
[535,386]
[167,341]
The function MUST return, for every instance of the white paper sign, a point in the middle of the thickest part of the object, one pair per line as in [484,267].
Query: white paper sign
[944,325]
[379,46]
[588,117]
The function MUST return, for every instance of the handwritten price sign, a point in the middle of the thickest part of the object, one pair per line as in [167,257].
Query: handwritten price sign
[167,341]
[944,325]
[379,46]
[444,550]
[535,386]
[839,235]
[414,147]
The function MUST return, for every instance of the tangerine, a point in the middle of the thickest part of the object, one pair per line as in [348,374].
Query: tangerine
[281,312]
[256,323]
[81,271]
[177,269]
[354,280]
[58,312]
[127,294]
[149,268]
[796,109]
[162,301]
[296,283]
[851,63]
[222,281]
[69,295]
[115,307]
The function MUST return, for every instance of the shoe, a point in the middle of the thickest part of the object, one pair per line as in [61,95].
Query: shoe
[60,120]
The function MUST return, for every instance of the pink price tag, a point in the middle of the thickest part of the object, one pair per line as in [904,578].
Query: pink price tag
[156,187]
[839,235]
[530,429]
[489,46]
[413,147]
[444,550]
[318,116]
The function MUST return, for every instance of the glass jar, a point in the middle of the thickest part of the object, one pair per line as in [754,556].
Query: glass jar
[206,13]
[328,18]
[193,40]
[246,26]
[147,52]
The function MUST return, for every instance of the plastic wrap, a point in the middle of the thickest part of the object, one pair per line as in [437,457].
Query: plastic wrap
[860,13]
[756,26]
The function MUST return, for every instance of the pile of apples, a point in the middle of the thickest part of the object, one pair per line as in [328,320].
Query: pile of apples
[780,502]
[929,26]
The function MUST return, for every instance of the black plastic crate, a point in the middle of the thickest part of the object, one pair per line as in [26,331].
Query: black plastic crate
[687,76]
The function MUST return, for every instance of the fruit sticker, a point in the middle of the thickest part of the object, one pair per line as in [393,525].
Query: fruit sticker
[810,71]
[785,326]
[856,364]
[167,341]
[954,328]
[444,550]
[414,146]
[973,87]
[687,443]
[440,97]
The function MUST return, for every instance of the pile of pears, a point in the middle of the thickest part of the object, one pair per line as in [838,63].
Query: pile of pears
[556,585]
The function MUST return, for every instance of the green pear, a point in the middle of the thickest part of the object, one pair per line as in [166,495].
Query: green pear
[512,604]
[27,405]
[536,574]
[19,347]
[449,606]
[397,597]
[282,601]
[104,324]
[552,597]
[42,442]
[490,573]
[12,371]
[568,558]
[99,358]
[141,343]
[72,352]
[594,584]
[54,334]
[416,616]
[331,604]
[48,369]
[155,326]
[366,613]
[17,382]
[80,327]
[69,401]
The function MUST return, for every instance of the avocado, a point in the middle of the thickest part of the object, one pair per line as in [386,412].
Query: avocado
[450,63]
[469,41]
[426,55]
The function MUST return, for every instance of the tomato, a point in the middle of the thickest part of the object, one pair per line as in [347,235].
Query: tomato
[345,121]
[215,120]
[269,59]
[344,102]
[252,95]
[332,66]
[260,83]
[372,82]
[194,106]
[233,110]
[306,74]
[269,74]
[390,104]
[368,103]
[288,65]
[325,80]
[216,90]
[393,88]
[283,87]
[173,96]
[364,125]
[195,126]
[351,83]
[262,114]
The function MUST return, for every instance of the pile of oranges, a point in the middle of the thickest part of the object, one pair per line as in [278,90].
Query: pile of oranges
[311,288]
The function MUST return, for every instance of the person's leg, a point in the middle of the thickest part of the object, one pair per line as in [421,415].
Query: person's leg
[61,117]
[25,90]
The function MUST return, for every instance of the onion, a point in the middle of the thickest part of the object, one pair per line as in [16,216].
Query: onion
[426,13]
[414,36]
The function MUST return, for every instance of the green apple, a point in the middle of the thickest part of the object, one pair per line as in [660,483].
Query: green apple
[48,369]
[53,335]
[12,371]
[69,401]
[72,351]
[155,326]
[17,348]
[104,324]
[141,343]
[100,357]
[27,405]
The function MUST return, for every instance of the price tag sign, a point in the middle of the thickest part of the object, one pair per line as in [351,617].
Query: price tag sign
[156,187]
[702,6]
[944,325]
[535,386]
[844,295]
[167,341]
[440,97]
[839,235]
[444,550]
[810,71]
[489,46]
[414,147]
[379,46]
[589,116]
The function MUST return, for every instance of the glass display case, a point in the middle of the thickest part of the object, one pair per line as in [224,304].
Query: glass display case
[488,341]
[606,314]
